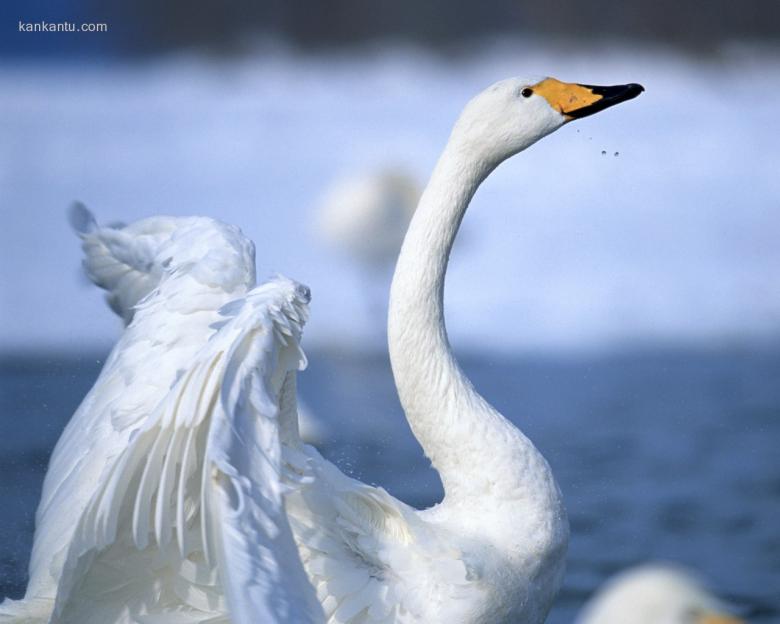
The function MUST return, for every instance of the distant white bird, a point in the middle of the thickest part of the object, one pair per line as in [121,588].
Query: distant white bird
[181,492]
[655,594]
[367,215]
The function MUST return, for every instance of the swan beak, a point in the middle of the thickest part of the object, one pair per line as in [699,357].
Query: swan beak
[716,618]
[577,100]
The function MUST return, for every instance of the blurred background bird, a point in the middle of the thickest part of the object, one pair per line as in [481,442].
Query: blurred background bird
[655,593]
[365,216]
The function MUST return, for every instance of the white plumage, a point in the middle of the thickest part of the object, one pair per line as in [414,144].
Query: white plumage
[126,261]
[655,594]
[181,492]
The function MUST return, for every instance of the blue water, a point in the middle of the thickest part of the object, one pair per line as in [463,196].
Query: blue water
[661,454]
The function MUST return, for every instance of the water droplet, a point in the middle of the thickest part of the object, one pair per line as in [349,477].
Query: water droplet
[603,152]
[617,153]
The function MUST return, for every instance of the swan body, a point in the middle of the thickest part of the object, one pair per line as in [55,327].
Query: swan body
[655,594]
[181,490]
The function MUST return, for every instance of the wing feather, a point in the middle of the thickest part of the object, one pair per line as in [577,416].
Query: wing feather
[164,510]
[206,467]
[131,261]
[123,260]
[186,469]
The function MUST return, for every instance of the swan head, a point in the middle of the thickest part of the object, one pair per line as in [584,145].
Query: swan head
[656,594]
[513,114]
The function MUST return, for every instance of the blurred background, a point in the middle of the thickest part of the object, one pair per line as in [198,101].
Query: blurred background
[616,291]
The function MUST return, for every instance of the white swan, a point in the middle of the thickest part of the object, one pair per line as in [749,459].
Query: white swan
[367,214]
[655,594]
[181,492]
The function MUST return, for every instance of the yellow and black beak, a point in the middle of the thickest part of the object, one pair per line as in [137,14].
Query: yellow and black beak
[714,618]
[577,100]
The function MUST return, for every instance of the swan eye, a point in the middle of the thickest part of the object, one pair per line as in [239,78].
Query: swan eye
[527,92]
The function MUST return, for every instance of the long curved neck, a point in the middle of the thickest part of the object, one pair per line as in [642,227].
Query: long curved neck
[456,427]
[419,349]
[498,488]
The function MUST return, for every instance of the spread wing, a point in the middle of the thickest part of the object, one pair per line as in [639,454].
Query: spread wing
[189,520]
[207,508]
[211,264]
